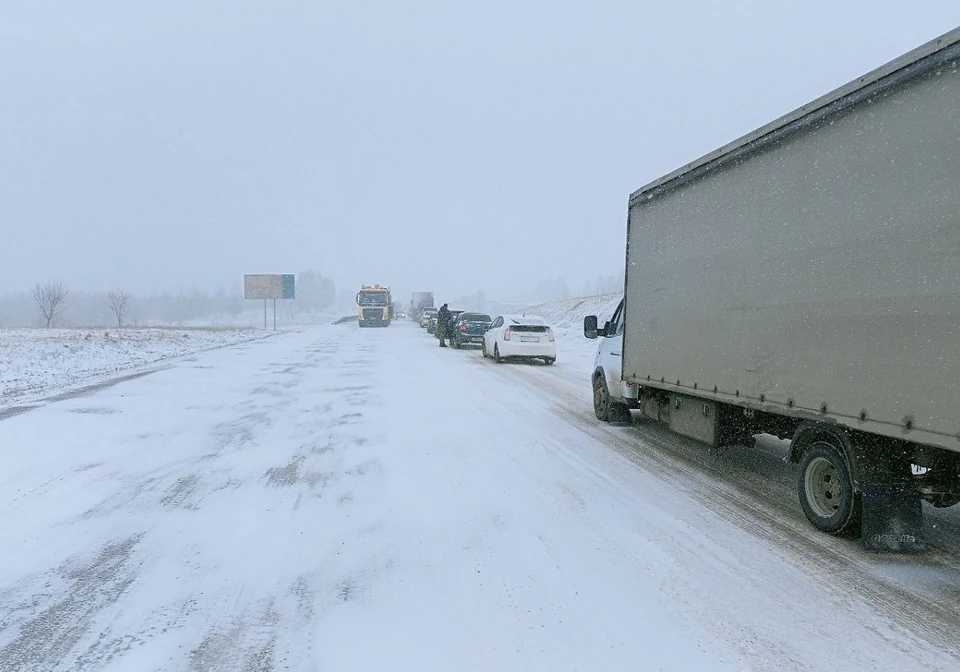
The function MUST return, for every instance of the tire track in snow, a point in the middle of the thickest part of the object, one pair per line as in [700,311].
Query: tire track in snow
[316,476]
[47,636]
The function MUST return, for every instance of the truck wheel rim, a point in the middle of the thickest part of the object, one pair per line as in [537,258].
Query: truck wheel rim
[823,488]
[597,396]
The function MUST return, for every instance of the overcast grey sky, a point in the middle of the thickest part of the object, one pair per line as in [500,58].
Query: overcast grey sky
[169,144]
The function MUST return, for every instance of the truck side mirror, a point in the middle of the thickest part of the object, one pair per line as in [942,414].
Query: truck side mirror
[590,327]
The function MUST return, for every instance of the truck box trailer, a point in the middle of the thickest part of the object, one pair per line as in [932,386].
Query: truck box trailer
[418,302]
[804,281]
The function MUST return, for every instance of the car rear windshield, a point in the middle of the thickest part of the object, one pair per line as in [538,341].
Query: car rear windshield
[475,317]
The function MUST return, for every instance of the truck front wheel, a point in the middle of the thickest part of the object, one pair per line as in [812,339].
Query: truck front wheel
[826,490]
[604,406]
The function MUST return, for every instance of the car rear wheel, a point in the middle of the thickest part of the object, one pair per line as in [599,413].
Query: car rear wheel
[549,360]
[496,354]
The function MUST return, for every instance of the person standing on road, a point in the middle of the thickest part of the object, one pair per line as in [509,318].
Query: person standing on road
[443,317]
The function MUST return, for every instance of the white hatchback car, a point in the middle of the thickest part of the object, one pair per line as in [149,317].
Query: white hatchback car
[520,337]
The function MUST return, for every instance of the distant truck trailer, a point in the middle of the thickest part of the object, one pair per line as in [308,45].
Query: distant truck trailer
[804,281]
[420,301]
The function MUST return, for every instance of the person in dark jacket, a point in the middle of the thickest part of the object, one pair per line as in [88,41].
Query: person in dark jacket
[443,319]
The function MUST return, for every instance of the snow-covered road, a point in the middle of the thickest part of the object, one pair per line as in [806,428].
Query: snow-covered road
[345,499]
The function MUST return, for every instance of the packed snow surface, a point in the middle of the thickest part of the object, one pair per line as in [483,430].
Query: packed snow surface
[359,499]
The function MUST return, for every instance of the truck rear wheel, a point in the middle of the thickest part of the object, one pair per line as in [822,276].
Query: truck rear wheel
[826,490]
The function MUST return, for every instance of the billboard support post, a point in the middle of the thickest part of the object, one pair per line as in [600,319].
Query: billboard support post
[274,314]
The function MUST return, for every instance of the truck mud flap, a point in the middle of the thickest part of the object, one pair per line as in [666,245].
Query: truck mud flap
[892,518]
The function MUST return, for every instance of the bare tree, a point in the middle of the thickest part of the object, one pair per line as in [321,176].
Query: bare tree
[119,304]
[49,299]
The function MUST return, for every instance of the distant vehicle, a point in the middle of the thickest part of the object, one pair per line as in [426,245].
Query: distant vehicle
[375,306]
[520,337]
[420,301]
[425,315]
[469,328]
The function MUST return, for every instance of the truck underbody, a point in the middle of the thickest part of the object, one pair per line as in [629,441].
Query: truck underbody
[850,481]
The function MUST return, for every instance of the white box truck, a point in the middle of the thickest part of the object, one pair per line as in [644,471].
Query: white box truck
[804,281]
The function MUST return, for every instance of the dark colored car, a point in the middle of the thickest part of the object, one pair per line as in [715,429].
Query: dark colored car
[432,325]
[469,328]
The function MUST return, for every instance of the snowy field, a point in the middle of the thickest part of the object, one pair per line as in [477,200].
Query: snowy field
[346,499]
[36,362]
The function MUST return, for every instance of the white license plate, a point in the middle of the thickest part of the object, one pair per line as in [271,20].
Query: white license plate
[529,339]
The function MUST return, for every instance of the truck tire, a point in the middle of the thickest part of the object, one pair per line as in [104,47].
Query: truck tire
[826,490]
[604,406]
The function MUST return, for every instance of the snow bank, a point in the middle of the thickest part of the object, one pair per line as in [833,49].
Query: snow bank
[566,318]
[567,315]
[40,361]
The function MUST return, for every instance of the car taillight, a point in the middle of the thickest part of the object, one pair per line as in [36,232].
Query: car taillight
[551,335]
[506,334]
[463,328]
